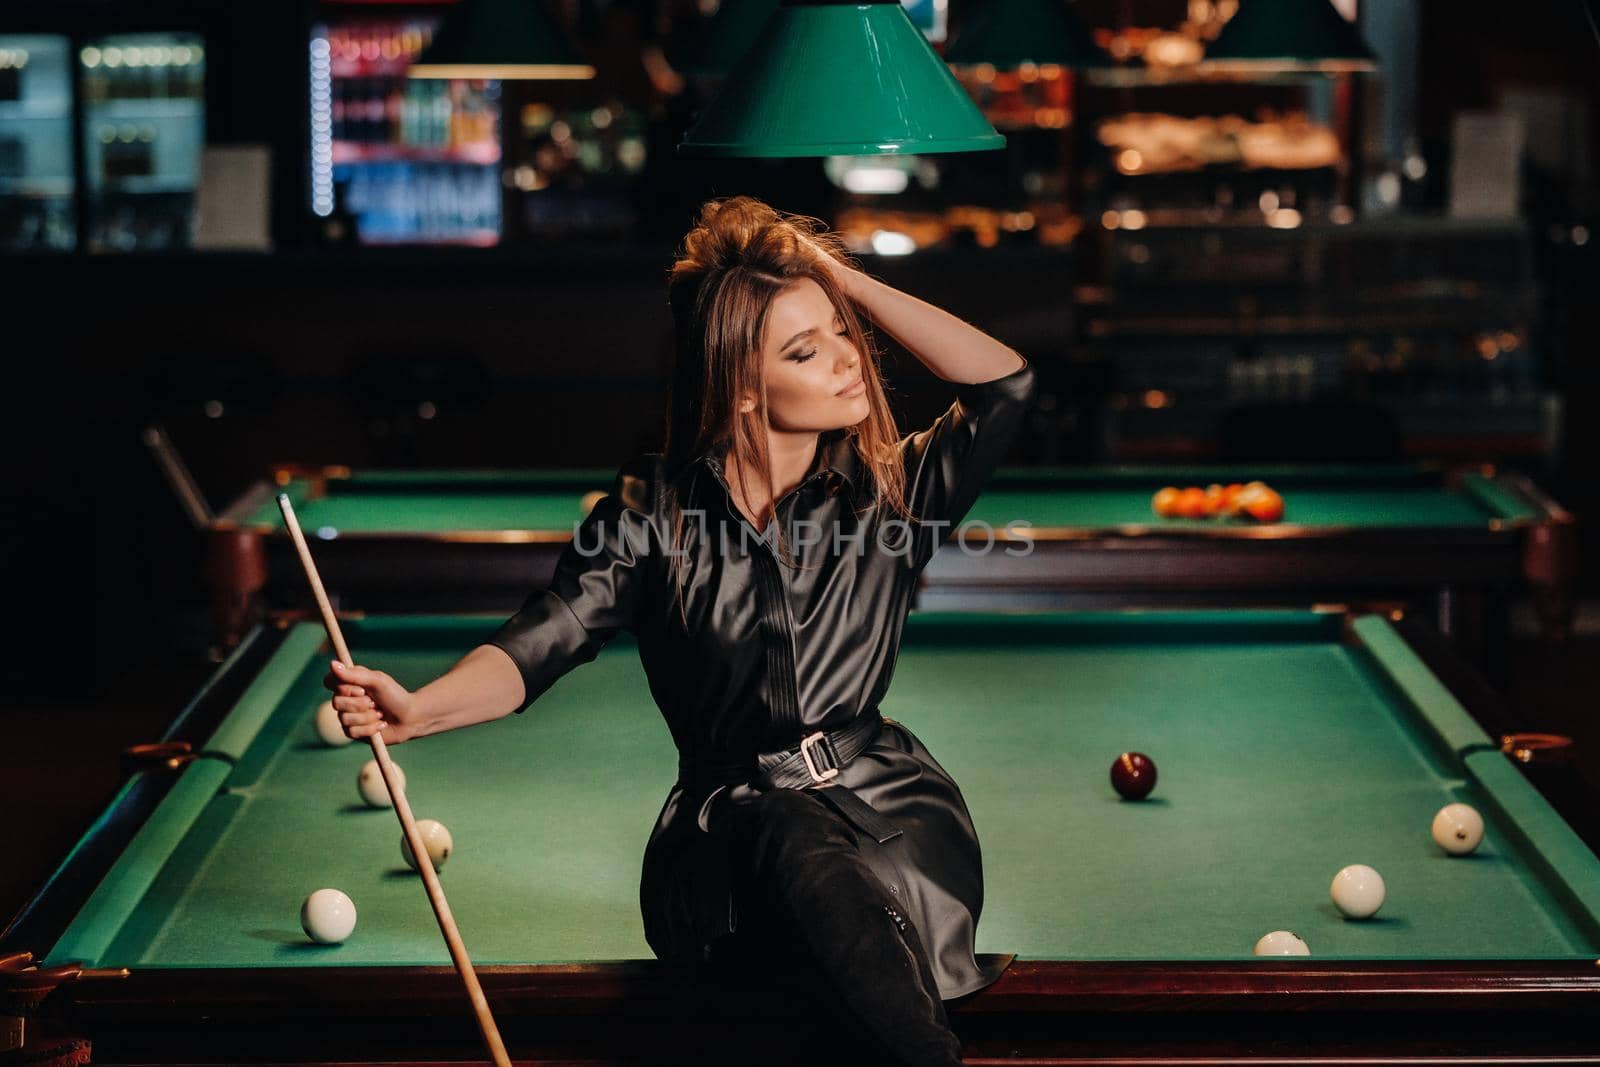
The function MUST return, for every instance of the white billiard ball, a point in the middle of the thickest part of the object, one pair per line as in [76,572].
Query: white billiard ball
[328,727]
[434,837]
[1281,943]
[1458,828]
[328,916]
[373,790]
[1357,891]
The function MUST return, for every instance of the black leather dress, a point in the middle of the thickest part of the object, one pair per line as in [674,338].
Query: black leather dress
[772,653]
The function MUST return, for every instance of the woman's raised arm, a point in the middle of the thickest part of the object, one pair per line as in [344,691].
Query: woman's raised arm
[950,347]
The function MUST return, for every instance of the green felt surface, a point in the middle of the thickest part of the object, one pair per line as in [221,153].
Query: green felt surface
[1361,497]
[439,501]
[1278,764]
[1284,751]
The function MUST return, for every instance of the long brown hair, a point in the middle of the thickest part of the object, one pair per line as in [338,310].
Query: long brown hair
[738,258]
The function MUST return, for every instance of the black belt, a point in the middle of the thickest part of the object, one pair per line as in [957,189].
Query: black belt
[813,764]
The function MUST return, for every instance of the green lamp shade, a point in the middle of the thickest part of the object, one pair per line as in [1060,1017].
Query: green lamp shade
[839,79]
[500,39]
[1006,34]
[728,36]
[1289,34]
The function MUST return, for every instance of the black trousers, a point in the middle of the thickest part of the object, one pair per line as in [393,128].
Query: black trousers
[805,897]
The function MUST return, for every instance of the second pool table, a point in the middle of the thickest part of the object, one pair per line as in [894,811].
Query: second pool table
[1453,543]
[1289,744]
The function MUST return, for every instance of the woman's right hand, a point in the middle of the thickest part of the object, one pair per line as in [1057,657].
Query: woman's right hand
[370,701]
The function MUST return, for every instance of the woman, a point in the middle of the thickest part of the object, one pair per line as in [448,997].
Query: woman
[766,563]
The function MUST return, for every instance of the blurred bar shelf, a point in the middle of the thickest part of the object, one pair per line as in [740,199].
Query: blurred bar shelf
[483,154]
[145,108]
[44,188]
[149,184]
[1140,77]
[483,238]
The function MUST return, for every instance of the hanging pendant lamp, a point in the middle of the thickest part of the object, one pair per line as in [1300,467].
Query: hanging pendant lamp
[1289,35]
[839,78]
[1006,34]
[500,39]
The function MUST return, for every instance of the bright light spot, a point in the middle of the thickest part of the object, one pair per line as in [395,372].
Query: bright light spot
[631,153]
[892,243]
[1388,188]
[867,179]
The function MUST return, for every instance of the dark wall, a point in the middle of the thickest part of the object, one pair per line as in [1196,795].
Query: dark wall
[1469,52]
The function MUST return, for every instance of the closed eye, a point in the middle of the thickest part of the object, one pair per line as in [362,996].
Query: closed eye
[801,357]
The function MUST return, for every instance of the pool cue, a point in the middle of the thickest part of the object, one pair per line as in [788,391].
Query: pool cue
[179,478]
[402,808]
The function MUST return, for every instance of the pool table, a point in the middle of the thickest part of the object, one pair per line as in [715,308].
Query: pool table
[1450,542]
[1289,744]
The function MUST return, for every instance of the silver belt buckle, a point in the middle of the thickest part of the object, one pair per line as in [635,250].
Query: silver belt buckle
[817,777]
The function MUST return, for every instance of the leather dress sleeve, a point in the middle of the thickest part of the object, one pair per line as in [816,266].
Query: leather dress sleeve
[596,587]
[948,463]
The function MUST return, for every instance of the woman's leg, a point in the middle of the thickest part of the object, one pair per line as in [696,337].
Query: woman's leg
[801,884]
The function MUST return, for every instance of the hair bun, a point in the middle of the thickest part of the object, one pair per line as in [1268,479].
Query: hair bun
[741,231]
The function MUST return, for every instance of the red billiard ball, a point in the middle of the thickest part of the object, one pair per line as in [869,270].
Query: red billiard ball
[1133,775]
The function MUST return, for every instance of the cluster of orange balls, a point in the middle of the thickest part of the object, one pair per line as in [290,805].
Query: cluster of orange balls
[1257,500]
